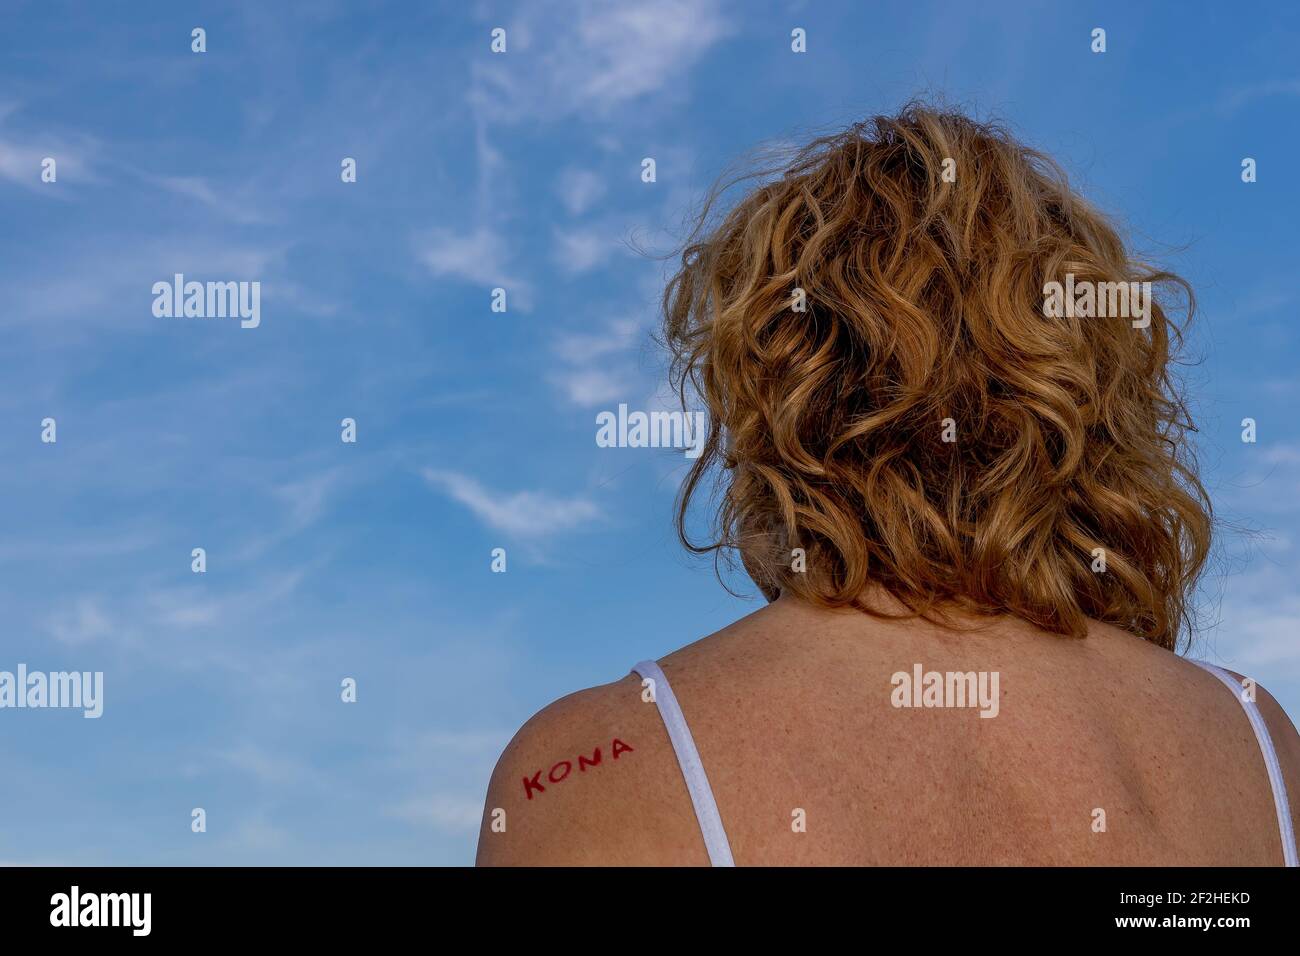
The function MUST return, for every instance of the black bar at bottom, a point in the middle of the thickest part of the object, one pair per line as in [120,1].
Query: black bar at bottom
[335,905]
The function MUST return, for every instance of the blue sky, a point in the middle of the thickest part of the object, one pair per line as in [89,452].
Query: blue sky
[476,429]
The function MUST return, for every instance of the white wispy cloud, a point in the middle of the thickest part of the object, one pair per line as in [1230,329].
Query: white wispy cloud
[95,286]
[611,54]
[215,198]
[522,513]
[116,544]
[1233,100]
[21,154]
[597,368]
[616,337]
[304,501]
[583,248]
[133,620]
[84,622]
[579,189]
[590,387]
[480,257]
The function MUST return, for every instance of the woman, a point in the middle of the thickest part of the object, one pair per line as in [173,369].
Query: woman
[951,454]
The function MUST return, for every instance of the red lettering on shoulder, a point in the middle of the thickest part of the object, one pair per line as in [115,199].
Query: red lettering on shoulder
[560,771]
[531,785]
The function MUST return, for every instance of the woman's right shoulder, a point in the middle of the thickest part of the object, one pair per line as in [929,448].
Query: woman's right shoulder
[590,779]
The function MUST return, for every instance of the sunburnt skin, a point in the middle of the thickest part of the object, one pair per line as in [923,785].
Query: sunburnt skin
[561,770]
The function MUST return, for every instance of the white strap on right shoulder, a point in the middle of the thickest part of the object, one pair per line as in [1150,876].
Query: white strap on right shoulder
[1270,759]
[688,758]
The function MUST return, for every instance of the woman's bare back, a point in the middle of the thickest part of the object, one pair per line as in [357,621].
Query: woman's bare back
[1104,750]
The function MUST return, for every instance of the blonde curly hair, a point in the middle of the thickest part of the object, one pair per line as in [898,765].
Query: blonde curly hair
[923,300]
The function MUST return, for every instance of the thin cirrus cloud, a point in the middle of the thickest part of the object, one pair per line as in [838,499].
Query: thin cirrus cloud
[480,257]
[130,621]
[590,387]
[585,248]
[213,197]
[641,48]
[524,514]
[611,54]
[21,155]
[92,285]
[596,368]
[615,337]
[1233,100]
[82,623]
[579,189]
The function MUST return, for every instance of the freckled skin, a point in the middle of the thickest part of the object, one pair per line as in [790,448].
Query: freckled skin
[790,708]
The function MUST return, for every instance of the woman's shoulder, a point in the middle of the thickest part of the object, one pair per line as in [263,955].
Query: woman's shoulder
[588,780]
[593,777]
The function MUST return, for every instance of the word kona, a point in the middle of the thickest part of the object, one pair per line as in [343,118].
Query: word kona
[562,769]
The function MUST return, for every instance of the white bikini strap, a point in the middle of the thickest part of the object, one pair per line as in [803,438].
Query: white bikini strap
[688,758]
[1270,759]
